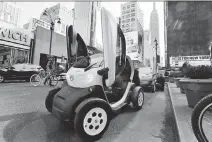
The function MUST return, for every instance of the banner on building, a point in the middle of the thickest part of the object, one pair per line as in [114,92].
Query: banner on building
[191,58]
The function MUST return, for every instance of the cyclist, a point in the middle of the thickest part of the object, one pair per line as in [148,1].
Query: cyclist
[49,69]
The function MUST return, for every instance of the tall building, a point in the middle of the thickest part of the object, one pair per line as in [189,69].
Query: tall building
[62,12]
[132,26]
[154,29]
[189,28]
[148,49]
[85,20]
[165,32]
[9,14]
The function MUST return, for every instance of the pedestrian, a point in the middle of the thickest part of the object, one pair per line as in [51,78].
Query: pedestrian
[49,69]
[160,82]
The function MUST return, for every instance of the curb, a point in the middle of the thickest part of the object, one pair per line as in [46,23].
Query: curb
[176,125]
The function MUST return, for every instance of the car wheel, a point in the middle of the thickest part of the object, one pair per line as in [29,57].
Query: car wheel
[153,88]
[1,78]
[137,98]
[49,99]
[92,121]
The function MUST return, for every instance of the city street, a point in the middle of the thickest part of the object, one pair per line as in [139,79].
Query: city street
[23,118]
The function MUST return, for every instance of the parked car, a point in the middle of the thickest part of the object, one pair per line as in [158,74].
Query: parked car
[147,78]
[19,72]
[62,77]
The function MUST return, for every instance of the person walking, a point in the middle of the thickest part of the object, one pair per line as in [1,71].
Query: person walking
[160,82]
[49,69]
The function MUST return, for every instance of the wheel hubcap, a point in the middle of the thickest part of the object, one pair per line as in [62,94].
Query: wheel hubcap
[95,121]
[1,78]
[140,99]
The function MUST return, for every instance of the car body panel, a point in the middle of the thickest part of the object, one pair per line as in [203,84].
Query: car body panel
[20,71]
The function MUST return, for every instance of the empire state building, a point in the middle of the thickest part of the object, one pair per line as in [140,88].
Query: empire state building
[154,27]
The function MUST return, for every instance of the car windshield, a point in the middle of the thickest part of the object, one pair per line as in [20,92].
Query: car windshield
[96,60]
[145,70]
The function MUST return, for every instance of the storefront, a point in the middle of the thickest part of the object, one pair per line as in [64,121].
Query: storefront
[14,46]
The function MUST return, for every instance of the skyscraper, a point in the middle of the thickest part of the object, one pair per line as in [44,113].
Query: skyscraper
[9,14]
[154,28]
[132,26]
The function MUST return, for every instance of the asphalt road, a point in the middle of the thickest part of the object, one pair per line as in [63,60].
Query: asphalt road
[23,118]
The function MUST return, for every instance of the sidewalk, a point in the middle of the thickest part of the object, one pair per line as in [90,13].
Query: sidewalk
[182,114]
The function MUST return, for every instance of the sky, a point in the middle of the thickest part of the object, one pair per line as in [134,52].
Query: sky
[34,9]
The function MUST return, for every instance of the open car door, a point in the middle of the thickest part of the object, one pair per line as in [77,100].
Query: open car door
[76,47]
[114,46]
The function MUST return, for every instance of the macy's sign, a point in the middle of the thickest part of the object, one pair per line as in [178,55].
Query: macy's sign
[12,35]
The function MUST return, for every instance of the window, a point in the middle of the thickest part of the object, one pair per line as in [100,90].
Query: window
[127,30]
[128,6]
[132,10]
[132,5]
[128,20]
[133,14]
[123,26]
[18,67]
[123,17]
[124,8]
[132,19]
[127,25]
[123,21]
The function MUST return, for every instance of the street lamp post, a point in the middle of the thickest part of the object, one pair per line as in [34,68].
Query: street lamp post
[51,28]
[156,49]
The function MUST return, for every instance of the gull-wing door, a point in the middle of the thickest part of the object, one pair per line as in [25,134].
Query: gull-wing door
[114,46]
[76,47]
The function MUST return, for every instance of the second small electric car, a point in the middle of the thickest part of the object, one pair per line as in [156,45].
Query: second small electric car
[98,85]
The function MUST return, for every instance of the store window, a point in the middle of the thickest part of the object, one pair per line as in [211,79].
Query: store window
[19,56]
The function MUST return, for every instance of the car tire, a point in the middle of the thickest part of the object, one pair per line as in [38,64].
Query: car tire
[137,98]
[1,78]
[50,97]
[94,115]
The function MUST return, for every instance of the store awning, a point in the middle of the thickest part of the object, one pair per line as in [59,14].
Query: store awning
[19,46]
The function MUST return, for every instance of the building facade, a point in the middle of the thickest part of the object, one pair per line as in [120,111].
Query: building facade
[9,14]
[62,12]
[154,29]
[15,46]
[132,26]
[33,23]
[148,50]
[189,28]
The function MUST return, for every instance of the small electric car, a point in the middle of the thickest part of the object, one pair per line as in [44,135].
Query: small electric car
[96,86]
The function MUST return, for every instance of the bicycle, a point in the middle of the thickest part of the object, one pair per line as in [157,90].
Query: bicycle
[201,124]
[37,79]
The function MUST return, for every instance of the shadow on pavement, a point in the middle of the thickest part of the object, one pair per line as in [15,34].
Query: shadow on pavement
[43,127]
